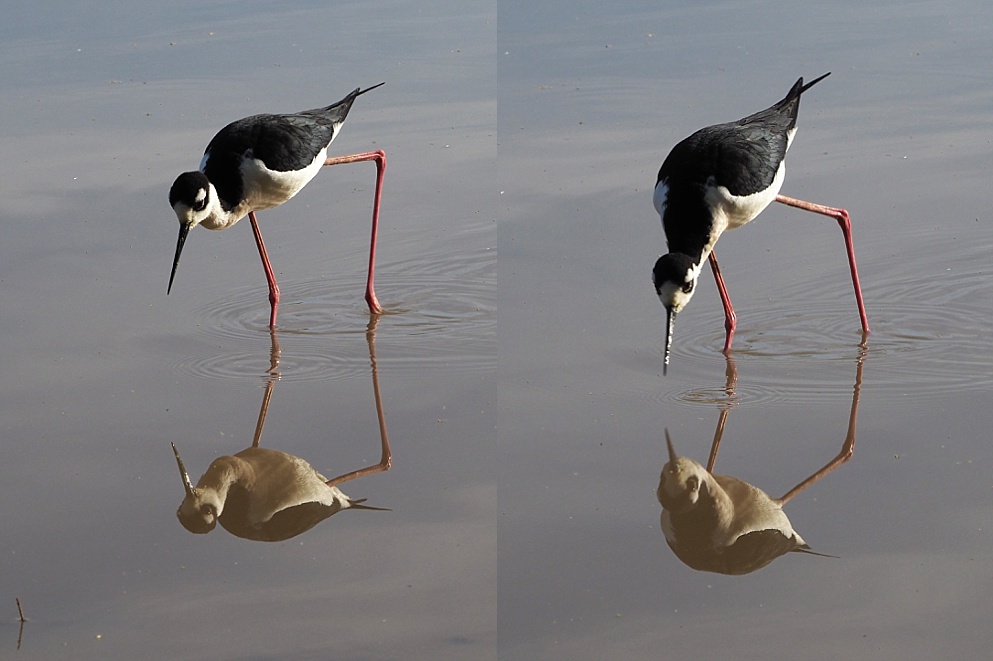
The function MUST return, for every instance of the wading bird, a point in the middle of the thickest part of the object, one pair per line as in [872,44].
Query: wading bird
[258,163]
[720,178]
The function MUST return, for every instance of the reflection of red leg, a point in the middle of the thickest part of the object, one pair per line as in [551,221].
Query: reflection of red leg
[380,157]
[846,228]
[386,456]
[847,449]
[730,383]
[273,287]
[730,319]
[715,446]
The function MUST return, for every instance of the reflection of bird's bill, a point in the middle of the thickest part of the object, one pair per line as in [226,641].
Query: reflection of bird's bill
[357,504]
[670,322]
[672,450]
[184,229]
[182,472]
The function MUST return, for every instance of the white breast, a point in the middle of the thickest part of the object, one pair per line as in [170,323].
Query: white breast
[265,188]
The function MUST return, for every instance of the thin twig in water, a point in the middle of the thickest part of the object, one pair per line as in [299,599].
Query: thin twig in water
[20,611]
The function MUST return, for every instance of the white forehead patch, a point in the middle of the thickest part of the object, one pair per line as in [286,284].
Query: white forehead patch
[201,195]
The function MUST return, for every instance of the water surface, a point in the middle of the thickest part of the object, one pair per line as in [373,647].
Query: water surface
[591,100]
[104,106]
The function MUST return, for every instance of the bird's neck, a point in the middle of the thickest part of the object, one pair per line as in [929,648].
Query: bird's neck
[216,483]
[720,502]
[713,512]
[690,226]
[221,215]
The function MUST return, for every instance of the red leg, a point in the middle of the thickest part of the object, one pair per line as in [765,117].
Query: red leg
[730,319]
[273,287]
[846,228]
[380,157]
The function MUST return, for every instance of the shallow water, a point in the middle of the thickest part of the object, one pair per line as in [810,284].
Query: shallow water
[543,537]
[590,102]
[104,370]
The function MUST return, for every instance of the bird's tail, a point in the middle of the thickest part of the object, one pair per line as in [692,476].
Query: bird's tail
[798,89]
[799,83]
[790,104]
[806,549]
[358,91]
[338,111]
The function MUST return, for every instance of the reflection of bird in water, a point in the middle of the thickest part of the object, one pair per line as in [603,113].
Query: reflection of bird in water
[267,495]
[720,178]
[722,524]
[261,494]
[258,163]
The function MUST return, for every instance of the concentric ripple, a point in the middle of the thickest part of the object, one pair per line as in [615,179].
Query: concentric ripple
[930,335]
[441,314]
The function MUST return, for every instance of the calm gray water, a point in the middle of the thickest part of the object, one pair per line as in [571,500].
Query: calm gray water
[591,100]
[103,105]
[542,540]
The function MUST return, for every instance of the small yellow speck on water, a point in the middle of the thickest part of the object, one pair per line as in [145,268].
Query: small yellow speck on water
[99,636]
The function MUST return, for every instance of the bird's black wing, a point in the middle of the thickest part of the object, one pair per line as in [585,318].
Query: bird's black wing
[742,158]
[282,142]
[291,142]
[748,157]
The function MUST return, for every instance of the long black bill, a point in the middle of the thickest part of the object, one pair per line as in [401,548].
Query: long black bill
[183,231]
[670,321]
[182,472]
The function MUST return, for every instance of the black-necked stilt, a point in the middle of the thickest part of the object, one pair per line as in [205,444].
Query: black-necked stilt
[258,163]
[718,179]
[266,495]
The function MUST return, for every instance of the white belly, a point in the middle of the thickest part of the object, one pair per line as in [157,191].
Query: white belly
[731,211]
[265,188]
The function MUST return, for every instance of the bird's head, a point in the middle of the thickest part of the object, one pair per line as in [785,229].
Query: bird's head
[681,482]
[190,198]
[674,276]
[200,508]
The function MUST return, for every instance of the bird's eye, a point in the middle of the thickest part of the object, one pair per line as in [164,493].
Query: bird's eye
[693,482]
[688,287]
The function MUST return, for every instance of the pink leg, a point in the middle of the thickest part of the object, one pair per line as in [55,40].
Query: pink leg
[380,157]
[846,228]
[273,287]
[730,319]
